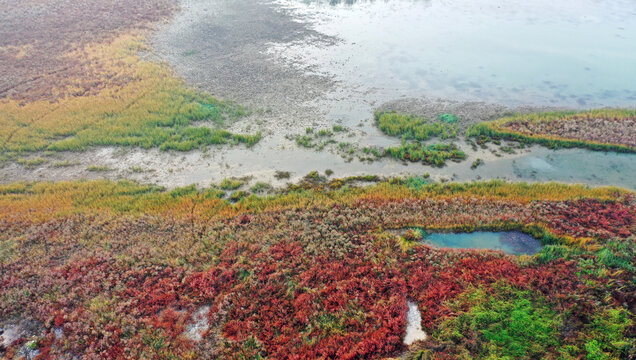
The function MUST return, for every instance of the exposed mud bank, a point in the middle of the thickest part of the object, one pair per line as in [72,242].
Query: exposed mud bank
[236,50]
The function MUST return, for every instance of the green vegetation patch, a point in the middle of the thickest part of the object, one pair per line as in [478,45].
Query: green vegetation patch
[431,154]
[31,163]
[154,109]
[416,128]
[232,184]
[98,168]
[413,131]
[503,322]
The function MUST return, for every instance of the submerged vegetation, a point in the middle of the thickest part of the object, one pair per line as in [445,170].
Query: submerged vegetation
[605,129]
[320,138]
[412,130]
[121,270]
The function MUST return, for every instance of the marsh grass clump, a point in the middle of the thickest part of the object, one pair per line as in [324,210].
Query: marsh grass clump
[248,140]
[232,183]
[237,195]
[410,127]
[505,321]
[314,177]
[305,141]
[199,137]
[32,163]
[476,164]
[280,175]
[324,133]
[98,168]
[417,182]
[328,139]
[314,139]
[261,188]
[431,154]
[448,118]
[414,131]
[64,163]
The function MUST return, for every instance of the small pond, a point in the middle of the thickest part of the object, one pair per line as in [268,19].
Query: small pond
[511,242]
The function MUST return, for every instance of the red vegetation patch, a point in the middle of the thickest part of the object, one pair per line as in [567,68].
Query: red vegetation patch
[599,129]
[321,282]
[589,218]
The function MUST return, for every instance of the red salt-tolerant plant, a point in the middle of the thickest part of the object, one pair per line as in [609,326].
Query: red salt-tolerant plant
[341,309]
[589,217]
[432,290]
[170,320]
[295,282]
[155,288]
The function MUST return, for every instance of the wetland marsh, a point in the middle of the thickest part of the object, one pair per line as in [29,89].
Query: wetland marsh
[300,179]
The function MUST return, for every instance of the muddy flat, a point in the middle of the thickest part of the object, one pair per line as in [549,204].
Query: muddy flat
[299,65]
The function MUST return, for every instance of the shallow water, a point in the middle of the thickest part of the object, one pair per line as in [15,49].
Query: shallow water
[511,242]
[172,169]
[576,53]
[382,61]
[565,165]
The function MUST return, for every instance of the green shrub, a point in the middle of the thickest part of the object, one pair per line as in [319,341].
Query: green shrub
[502,322]
[607,335]
[448,118]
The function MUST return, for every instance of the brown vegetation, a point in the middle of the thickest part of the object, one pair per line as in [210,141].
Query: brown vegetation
[38,38]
